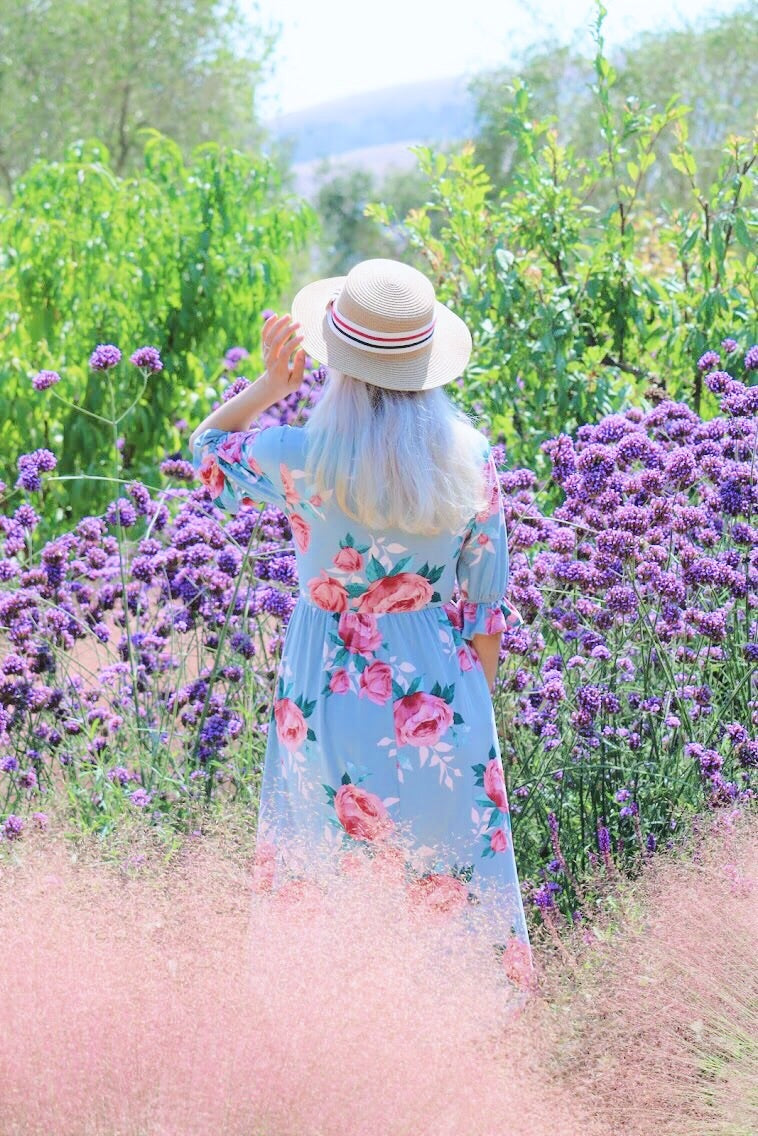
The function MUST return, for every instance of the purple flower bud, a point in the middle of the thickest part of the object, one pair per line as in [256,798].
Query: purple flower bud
[104,356]
[233,356]
[31,465]
[751,358]
[13,827]
[121,511]
[44,379]
[709,359]
[719,381]
[729,345]
[147,357]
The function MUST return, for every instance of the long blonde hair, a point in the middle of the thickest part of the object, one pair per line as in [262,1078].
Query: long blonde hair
[409,460]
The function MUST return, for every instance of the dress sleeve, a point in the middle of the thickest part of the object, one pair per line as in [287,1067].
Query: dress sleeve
[240,467]
[482,567]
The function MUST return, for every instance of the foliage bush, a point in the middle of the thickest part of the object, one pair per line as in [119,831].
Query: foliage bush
[181,256]
[580,295]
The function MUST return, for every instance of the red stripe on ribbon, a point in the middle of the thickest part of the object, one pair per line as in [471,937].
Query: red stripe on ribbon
[360,334]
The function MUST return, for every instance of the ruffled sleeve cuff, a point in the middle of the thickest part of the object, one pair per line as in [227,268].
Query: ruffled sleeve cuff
[488,618]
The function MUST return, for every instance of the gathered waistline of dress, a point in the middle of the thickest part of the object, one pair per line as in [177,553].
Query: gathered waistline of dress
[304,598]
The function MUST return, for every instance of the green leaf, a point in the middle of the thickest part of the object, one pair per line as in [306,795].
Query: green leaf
[742,233]
[399,566]
[374,570]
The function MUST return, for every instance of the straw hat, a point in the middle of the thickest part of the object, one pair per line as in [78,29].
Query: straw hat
[381,323]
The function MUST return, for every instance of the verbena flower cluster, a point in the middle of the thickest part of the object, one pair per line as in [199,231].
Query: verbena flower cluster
[630,692]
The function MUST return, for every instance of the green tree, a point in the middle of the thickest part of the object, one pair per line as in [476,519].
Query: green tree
[348,234]
[182,256]
[580,296]
[73,69]
[710,65]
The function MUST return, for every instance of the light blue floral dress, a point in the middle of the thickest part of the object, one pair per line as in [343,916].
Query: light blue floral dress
[382,720]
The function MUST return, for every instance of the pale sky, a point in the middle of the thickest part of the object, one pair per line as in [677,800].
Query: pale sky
[332,48]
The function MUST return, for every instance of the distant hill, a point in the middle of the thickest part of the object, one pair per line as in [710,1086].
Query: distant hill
[375,129]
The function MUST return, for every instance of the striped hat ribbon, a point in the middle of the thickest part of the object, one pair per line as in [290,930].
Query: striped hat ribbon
[369,339]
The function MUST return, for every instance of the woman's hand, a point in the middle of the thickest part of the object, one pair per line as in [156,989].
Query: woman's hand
[279,341]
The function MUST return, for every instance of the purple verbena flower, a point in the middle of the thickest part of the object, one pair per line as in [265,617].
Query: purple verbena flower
[719,381]
[13,827]
[709,359]
[233,356]
[31,465]
[147,357]
[178,468]
[729,345]
[104,356]
[44,379]
[751,358]
[121,512]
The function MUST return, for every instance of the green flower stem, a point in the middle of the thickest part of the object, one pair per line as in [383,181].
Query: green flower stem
[124,591]
[81,409]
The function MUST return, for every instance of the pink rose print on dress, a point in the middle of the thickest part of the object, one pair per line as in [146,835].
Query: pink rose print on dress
[494,621]
[327,593]
[230,450]
[348,560]
[362,814]
[211,476]
[359,633]
[499,840]
[301,531]
[465,660]
[405,591]
[421,719]
[453,612]
[339,683]
[439,892]
[288,484]
[517,962]
[291,727]
[491,488]
[376,683]
[494,784]
[470,612]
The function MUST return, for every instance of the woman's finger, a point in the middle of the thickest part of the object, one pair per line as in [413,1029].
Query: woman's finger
[283,339]
[272,325]
[298,368]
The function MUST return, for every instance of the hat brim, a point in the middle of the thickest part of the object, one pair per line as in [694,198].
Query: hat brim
[420,369]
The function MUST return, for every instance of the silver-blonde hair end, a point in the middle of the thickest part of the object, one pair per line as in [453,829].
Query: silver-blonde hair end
[409,460]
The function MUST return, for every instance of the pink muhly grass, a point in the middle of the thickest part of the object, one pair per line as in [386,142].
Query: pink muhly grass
[172,998]
[656,1023]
